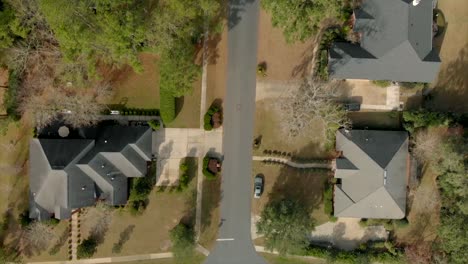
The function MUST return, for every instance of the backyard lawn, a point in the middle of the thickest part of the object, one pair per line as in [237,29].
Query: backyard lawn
[451,87]
[269,126]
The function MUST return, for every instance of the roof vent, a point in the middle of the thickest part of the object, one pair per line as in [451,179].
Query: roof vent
[83,187]
[103,165]
[416,2]
[105,141]
[112,178]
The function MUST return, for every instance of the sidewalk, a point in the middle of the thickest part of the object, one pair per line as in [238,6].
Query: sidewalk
[111,259]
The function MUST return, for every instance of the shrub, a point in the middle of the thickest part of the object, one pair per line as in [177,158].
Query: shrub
[10,99]
[183,243]
[423,118]
[168,106]
[401,223]
[87,248]
[412,85]
[208,174]
[328,199]
[52,222]
[154,124]
[382,83]
[24,219]
[207,118]
[184,178]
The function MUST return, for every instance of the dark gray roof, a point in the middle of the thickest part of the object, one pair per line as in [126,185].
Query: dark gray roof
[396,44]
[66,174]
[372,170]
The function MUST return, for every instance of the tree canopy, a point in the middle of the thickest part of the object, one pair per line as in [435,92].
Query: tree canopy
[10,26]
[300,20]
[285,224]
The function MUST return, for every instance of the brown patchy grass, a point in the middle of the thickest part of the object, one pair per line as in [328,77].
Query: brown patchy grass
[284,61]
[217,67]
[210,215]
[133,89]
[423,213]
[151,229]
[450,88]
[268,125]
[276,259]
[281,181]
[59,231]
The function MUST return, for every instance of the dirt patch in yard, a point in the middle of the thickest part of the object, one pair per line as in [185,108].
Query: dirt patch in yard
[451,87]
[140,90]
[269,126]
[283,61]
[363,92]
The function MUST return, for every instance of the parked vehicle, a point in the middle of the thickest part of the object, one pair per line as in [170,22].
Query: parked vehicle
[258,186]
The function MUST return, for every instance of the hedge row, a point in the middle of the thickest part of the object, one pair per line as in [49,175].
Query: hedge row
[366,254]
[167,105]
[329,36]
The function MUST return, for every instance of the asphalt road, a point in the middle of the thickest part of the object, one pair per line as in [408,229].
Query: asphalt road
[234,244]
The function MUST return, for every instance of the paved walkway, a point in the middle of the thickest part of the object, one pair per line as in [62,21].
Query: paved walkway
[75,231]
[294,164]
[392,100]
[111,259]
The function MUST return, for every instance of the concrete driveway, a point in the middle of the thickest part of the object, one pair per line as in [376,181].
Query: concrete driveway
[170,145]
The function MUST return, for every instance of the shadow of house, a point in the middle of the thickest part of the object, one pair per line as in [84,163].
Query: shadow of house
[68,174]
[395,44]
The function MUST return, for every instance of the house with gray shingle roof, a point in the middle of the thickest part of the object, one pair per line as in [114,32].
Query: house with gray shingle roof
[395,43]
[67,174]
[371,174]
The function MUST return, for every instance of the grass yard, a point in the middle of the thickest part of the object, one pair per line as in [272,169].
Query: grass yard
[216,68]
[376,120]
[210,216]
[283,61]
[276,259]
[59,242]
[451,87]
[188,109]
[281,181]
[149,232]
[423,215]
[140,90]
[268,125]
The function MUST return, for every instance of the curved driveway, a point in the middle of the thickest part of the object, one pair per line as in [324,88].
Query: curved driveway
[234,244]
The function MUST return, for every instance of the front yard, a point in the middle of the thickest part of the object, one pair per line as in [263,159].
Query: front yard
[269,127]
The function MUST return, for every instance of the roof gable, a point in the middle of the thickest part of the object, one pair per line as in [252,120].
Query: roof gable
[377,187]
[61,152]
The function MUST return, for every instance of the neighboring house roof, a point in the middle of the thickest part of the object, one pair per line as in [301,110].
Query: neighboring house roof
[66,174]
[373,173]
[396,44]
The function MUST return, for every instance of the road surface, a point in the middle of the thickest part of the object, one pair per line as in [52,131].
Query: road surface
[234,244]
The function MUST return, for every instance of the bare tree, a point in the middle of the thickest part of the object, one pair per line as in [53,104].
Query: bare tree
[427,144]
[38,235]
[97,220]
[314,100]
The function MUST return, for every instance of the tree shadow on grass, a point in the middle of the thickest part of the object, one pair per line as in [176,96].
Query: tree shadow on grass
[124,237]
[303,69]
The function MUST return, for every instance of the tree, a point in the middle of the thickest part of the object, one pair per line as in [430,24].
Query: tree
[423,118]
[10,26]
[39,235]
[300,20]
[183,243]
[314,100]
[285,224]
[427,144]
[87,248]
